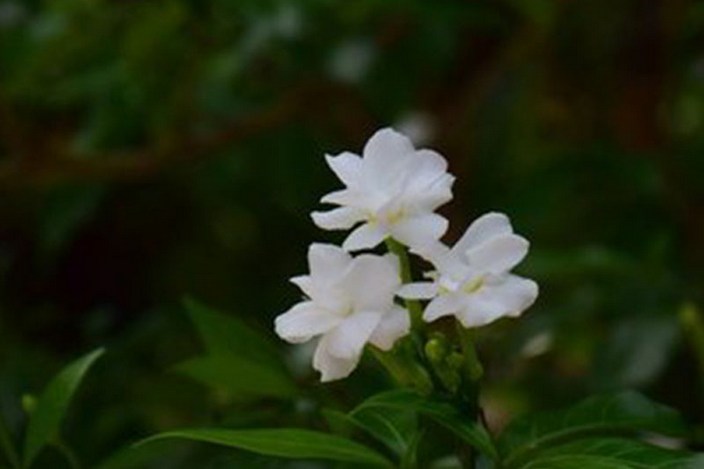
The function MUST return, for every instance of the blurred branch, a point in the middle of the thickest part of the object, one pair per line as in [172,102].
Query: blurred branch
[692,324]
[12,134]
[63,166]
[458,105]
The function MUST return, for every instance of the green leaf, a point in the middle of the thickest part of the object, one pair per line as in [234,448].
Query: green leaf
[339,422]
[636,351]
[620,452]
[576,462]
[285,443]
[395,428]
[133,457]
[238,360]
[442,413]
[46,419]
[226,335]
[65,210]
[240,377]
[626,412]
[410,457]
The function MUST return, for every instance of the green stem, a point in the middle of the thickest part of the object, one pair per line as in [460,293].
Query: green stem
[473,368]
[68,453]
[8,446]
[469,393]
[413,306]
[409,356]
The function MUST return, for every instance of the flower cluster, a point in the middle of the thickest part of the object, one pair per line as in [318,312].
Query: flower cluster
[391,193]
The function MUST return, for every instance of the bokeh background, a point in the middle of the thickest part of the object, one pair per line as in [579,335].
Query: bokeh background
[162,149]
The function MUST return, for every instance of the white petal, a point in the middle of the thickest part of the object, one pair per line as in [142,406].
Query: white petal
[394,325]
[484,228]
[434,194]
[394,262]
[433,252]
[386,158]
[302,322]
[342,218]
[347,166]
[443,305]
[418,291]
[430,162]
[516,293]
[371,282]
[510,297]
[342,197]
[327,261]
[480,312]
[330,367]
[347,340]
[498,255]
[428,185]
[328,265]
[325,292]
[305,283]
[386,146]
[366,236]
[419,232]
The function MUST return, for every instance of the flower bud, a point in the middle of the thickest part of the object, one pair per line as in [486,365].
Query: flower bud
[439,353]
[29,404]
[436,349]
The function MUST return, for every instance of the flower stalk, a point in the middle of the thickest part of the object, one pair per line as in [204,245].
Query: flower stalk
[469,392]
[413,306]
[473,369]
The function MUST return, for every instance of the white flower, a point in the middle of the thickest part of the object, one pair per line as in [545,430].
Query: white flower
[349,302]
[393,190]
[472,281]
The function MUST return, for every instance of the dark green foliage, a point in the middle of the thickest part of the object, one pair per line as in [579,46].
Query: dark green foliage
[286,443]
[155,149]
[237,361]
[620,414]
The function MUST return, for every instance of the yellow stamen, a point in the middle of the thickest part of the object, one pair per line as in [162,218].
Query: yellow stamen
[473,285]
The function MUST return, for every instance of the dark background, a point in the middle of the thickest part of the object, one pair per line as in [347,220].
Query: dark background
[151,150]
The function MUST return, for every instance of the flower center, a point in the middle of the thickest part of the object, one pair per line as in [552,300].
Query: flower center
[345,310]
[473,285]
[395,216]
[387,218]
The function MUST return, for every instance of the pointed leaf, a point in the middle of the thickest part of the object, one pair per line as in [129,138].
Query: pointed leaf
[240,377]
[410,457]
[576,462]
[632,454]
[392,427]
[238,360]
[46,419]
[132,457]
[285,443]
[625,412]
[339,422]
[226,335]
[442,413]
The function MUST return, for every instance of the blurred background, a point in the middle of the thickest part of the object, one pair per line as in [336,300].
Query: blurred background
[154,150]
